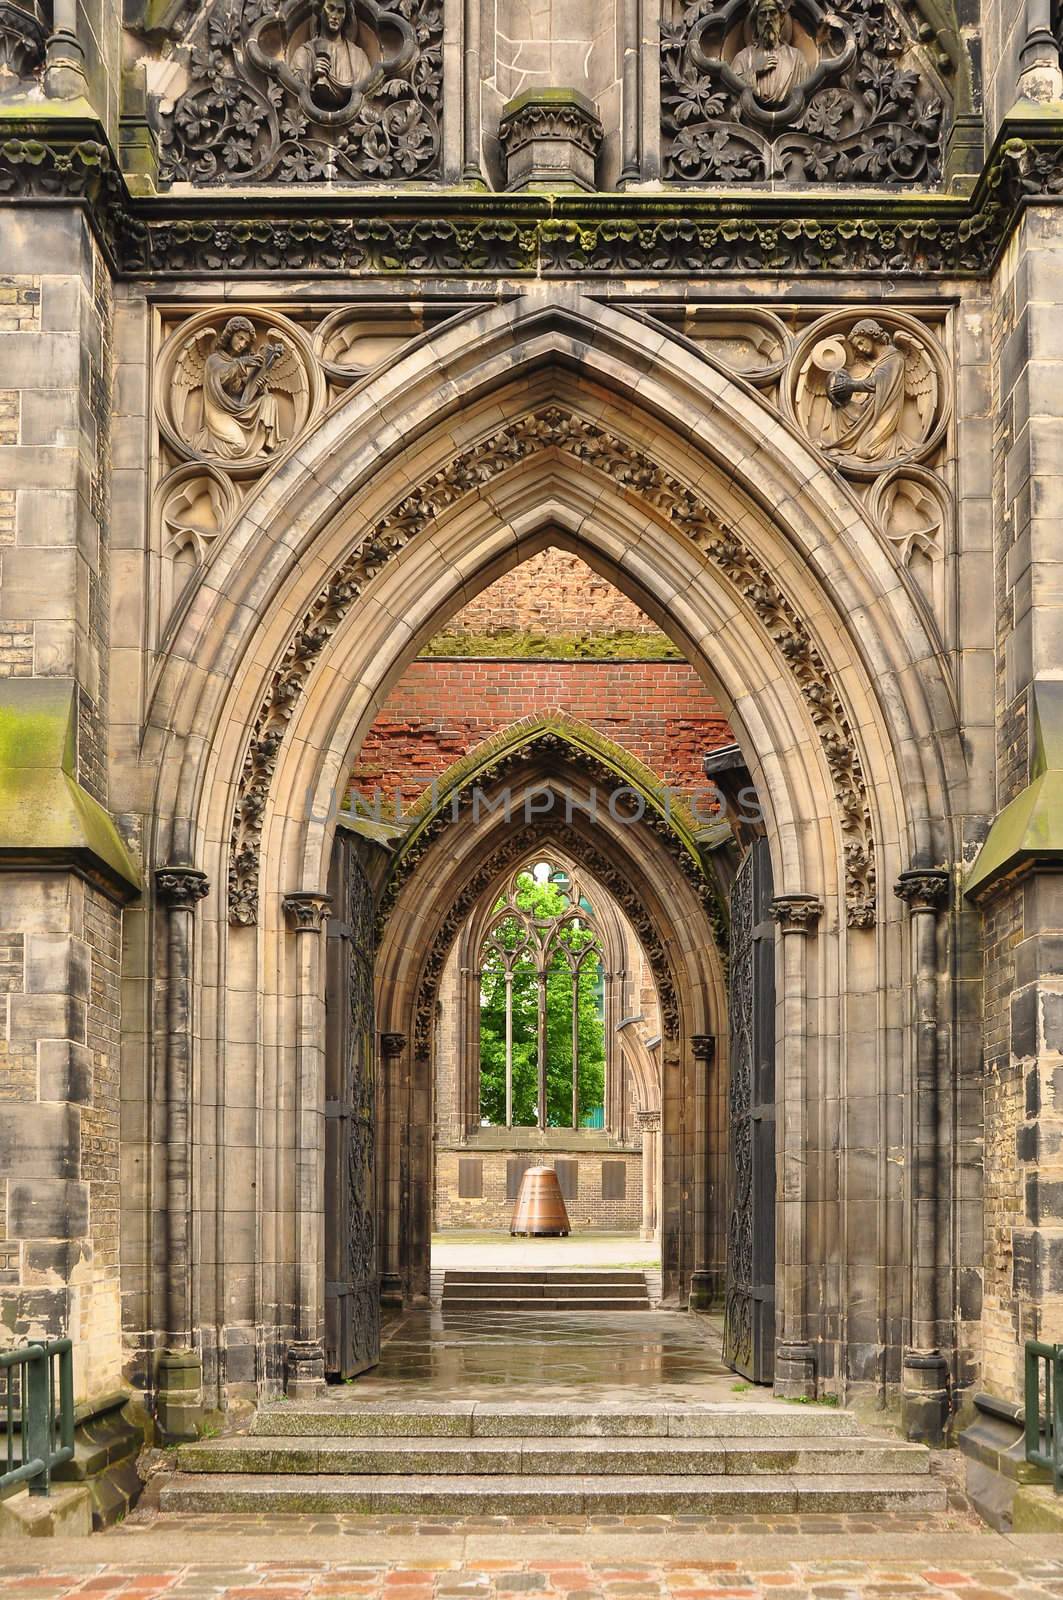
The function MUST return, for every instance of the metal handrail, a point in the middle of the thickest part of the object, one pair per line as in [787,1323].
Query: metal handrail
[1044,1418]
[45,1430]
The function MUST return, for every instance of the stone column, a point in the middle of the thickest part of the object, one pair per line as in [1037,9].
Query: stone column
[649,1122]
[389,1144]
[307,913]
[797,916]
[704,1280]
[925,1373]
[1040,77]
[179,1392]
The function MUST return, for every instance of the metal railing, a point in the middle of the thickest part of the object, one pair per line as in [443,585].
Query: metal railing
[39,1404]
[1044,1408]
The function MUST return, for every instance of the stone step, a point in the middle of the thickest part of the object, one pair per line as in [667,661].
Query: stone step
[549,1288]
[707,1495]
[660,1457]
[345,1414]
[542,1275]
[454,1302]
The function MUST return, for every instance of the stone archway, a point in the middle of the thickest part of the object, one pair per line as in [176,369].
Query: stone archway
[492,439]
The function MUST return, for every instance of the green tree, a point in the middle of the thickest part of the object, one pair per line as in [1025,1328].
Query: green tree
[545,902]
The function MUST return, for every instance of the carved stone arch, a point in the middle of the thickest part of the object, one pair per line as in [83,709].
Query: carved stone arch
[316,505]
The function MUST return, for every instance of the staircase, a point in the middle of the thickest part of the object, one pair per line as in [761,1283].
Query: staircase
[515,1289]
[419,1458]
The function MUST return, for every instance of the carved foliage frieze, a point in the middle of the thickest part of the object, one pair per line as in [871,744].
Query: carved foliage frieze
[626,467]
[307,91]
[794,91]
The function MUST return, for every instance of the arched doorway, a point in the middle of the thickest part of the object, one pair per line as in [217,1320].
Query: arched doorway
[673,480]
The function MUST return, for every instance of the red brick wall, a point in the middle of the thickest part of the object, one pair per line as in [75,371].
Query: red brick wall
[660,712]
[552,593]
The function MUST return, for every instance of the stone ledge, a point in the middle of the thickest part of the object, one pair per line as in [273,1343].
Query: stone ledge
[64,1513]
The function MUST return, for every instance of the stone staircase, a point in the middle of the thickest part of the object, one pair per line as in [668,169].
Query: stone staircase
[464,1458]
[476,1289]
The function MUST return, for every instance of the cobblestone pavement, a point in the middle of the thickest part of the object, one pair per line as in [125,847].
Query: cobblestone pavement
[827,1578]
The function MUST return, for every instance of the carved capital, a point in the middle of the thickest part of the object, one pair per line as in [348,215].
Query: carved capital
[923,888]
[307,910]
[703,1046]
[648,1121]
[181,888]
[392,1045]
[550,136]
[797,913]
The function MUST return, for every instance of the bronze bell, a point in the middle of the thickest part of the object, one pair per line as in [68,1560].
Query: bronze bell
[540,1208]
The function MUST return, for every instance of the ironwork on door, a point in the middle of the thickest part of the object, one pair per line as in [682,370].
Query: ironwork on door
[749,1307]
[352,1289]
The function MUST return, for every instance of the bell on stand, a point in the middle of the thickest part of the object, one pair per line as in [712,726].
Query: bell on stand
[540,1208]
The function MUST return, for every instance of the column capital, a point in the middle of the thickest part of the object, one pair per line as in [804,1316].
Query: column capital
[392,1044]
[181,887]
[648,1121]
[703,1046]
[796,913]
[307,910]
[923,888]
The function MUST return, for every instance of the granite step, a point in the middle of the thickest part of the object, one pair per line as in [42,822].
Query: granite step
[471,1495]
[661,1457]
[343,1413]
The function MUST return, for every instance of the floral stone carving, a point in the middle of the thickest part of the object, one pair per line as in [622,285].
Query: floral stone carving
[756,90]
[869,391]
[235,389]
[308,91]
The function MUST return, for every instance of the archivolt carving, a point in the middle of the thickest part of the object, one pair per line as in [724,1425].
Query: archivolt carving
[609,877]
[870,391]
[235,388]
[306,91]
[798,91]
[22,39]
[626,467]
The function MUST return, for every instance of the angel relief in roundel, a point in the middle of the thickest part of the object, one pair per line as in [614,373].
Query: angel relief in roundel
[869,398]
[237,396]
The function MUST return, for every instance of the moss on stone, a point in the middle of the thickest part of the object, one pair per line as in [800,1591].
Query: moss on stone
[517,644]
[44,811]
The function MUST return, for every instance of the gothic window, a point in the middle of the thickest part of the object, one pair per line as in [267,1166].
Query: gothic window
[542,1034]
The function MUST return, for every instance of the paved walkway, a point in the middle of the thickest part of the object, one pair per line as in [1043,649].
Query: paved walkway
[945,1568]
[580,1251]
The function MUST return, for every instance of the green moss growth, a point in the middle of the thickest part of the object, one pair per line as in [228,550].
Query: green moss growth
[515,644]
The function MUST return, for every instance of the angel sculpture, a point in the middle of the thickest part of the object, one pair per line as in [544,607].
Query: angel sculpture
[899,382]
[241,416]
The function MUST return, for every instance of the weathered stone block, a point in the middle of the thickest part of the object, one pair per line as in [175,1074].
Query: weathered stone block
[47,1208]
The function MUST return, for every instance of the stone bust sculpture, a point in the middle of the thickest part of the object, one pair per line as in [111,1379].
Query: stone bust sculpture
[769,64]
[330,65]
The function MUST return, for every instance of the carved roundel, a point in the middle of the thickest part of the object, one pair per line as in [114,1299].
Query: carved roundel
[870,390]
[236,387]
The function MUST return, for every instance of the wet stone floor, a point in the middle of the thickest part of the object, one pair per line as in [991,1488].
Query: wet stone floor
[602,1358]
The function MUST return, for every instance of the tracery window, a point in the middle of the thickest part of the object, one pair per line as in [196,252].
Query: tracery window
[542,1033]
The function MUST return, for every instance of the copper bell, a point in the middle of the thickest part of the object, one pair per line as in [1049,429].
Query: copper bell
[540,1208]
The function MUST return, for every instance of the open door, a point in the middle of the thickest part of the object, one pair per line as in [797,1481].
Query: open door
[352,1290]
[749,1308]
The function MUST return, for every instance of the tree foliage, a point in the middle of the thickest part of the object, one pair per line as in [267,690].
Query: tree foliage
[545,902]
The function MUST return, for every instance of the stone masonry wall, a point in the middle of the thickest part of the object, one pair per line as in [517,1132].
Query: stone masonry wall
[554,593]
[660,712]
[1004,1097]
[493,1210]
